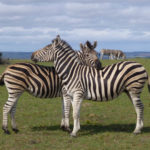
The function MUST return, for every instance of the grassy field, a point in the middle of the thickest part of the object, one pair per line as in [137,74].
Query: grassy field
[104,126]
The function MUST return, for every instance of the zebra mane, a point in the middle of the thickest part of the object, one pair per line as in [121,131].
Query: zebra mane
[65,46]
[62,42]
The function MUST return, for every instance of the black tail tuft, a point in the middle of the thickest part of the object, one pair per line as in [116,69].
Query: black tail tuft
[149,88]
[149,84]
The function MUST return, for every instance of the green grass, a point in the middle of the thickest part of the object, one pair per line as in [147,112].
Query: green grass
[104,126]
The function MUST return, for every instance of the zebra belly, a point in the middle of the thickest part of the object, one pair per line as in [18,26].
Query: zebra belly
[101,92]
[42,92]
[96,98]
[93,97]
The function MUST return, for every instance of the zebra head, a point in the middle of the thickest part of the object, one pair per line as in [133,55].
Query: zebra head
[91,56]
[87,55]
[43,55]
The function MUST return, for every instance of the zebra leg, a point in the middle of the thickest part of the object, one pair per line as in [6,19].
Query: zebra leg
[66,102]
[6,109]
[139,108]
[62,125]
[101,56]
[13,122]
[76,113]
[111,56]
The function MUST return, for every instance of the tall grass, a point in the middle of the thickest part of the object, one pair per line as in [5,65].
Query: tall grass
[104,126]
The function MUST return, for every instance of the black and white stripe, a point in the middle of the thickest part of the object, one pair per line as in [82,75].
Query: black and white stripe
[40,81]
[81,82]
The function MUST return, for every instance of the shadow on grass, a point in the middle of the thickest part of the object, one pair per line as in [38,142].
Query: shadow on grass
[96,128]
[42,128]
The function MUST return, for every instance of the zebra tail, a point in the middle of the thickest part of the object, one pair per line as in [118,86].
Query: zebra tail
[149,83]
[2,79]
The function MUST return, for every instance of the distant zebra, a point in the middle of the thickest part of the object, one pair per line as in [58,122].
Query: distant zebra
[40,81]
[107,52]
[113,54]
[81,82]
[118,54]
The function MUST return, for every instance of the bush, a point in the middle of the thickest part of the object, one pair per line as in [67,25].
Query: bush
[3,61]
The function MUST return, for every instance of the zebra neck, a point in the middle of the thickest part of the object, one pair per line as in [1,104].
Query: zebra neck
[64,65]
[81,58]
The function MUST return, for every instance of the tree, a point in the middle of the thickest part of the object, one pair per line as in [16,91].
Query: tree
[3,61]
[0,58]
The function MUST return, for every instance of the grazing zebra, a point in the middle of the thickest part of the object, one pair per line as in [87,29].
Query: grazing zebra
[106,52]
[81,82]
[40,81]
[113,54]
[118,54]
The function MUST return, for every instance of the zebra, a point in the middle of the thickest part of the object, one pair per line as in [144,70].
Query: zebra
[118,54]
[106,52]
[38,80]
[83,82]
[113,54]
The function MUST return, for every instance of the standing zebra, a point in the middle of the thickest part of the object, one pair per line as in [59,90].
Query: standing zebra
[81,82]
[40,81]
[88,56]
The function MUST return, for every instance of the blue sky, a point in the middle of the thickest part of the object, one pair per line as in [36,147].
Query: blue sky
[28,25]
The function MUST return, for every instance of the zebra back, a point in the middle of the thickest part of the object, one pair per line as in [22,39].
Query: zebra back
[40,81]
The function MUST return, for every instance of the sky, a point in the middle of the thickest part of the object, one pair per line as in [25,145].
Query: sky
[28,25]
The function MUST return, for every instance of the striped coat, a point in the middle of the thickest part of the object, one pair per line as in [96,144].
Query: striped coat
[40,81]
[81,82]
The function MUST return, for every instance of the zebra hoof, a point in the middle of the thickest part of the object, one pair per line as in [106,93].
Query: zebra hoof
[62,127]
[136,132]
[73,135]
[15,130]
[68,130]
[7,132]
[65,129]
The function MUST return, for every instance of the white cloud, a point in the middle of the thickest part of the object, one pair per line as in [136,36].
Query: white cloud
[36,21]
[74,34]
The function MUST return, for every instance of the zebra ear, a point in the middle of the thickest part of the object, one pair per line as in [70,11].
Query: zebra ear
[88,45]
[56,40]
[81,47]
[95,44]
